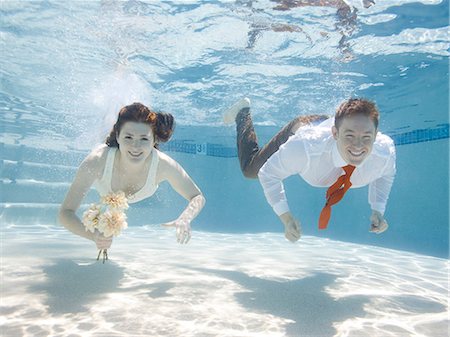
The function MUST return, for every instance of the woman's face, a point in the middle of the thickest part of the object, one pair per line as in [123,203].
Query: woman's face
[135,141]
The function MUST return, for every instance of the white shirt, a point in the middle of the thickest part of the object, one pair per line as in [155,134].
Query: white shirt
[312,153]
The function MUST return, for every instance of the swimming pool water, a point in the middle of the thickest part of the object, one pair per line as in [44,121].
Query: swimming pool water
[68,67]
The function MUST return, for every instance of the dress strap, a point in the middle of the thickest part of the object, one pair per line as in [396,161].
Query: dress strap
[109,165]
[103,184]
[153,166]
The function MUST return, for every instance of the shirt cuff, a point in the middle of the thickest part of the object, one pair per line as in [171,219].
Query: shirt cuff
[378,206]
[281,207]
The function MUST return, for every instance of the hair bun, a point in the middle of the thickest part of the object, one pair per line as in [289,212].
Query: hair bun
[164,126]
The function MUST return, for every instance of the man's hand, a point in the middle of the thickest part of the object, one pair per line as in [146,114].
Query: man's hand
[292,228]
[378,225]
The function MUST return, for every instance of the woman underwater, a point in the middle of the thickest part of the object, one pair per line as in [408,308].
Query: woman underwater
[130,162]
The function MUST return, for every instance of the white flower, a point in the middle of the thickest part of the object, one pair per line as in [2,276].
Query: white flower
[108,217]
[115,200]
[91,218]
[112,222]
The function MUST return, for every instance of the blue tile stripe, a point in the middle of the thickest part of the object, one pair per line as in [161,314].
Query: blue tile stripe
[421,135]
[218,150]
[441,131]
[206,149]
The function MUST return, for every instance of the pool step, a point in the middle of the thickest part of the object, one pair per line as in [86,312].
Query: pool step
[32,175]
[13,170]
[22,153]
[33,191]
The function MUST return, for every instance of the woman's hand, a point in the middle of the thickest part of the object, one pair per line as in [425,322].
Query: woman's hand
[101,241]
[183,223]
[183,229]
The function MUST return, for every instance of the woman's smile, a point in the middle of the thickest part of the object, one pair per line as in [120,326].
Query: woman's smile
[135,154]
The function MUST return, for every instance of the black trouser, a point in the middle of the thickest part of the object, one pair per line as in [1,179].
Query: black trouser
[251,157]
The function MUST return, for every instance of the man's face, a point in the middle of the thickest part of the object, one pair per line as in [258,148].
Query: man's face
[355,138]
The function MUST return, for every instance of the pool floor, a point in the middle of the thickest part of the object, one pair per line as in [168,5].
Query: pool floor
[217,285]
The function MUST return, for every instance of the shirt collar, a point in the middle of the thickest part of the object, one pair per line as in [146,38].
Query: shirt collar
[337,159]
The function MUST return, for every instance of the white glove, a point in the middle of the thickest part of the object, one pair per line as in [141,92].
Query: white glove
[183,223]
[378,225]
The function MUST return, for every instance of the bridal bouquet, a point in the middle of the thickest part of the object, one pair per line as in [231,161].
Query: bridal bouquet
[108,217]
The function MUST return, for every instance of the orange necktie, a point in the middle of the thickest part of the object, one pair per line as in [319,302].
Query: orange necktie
[334,194]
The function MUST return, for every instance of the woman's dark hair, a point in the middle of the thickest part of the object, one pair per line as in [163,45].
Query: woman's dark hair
[162,124]
[357,106]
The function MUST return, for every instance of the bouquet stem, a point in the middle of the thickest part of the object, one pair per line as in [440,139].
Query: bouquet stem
[105,255]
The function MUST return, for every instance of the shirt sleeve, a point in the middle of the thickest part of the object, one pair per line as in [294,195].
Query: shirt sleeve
[379,189]
[291,158]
